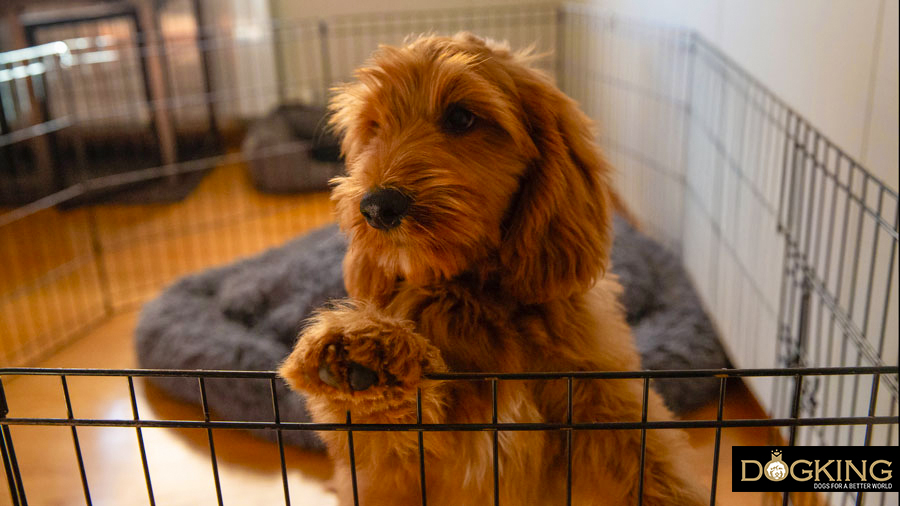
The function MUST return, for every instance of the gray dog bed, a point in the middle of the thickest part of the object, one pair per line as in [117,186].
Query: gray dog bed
[290,150]
[246,316]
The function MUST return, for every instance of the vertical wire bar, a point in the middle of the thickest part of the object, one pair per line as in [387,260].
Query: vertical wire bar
[803,319]
[276,28]
[559,64]
[870,281]
[795,411]
[873,400]
[817,245]
[10,464]
[280,436]
[717,200]
[826,275]
[785,197]
[866,305]
[496,442]
[852,293]
[569,448]
[889,440]
[718,446]
[352,461]
[70,415]
[785,225]
[687,122]
[140,439]
[212,445]
[888,285]
[204,42]
[421,445]
[806,252]
[822,248]
[644,397]
[795,407]
[804,242]
[839,291]
[798,256]
[97,254]
[325,56]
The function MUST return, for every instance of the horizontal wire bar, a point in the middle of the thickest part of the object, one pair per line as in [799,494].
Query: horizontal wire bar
[661,373]
[457,427]
[35,131]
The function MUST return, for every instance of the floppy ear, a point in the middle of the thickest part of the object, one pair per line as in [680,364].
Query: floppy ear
[558,234]
[344,117]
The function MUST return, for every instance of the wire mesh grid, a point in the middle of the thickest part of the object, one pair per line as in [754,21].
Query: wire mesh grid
[791,243]
[738,182]
[866,423]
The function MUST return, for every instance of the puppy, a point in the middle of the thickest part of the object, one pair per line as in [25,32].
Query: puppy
[478,210]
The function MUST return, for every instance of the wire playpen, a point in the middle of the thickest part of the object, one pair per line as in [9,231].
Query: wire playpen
[790,242]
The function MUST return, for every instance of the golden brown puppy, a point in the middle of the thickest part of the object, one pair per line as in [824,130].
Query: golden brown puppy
[478,211]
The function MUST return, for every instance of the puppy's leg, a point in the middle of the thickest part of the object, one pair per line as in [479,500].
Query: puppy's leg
[354,358]
[614,455]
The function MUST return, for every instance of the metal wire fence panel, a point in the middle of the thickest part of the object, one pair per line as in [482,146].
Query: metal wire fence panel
[734,157]
[840,226]
[698,150]
[632,79]
[16,415]
[351,39]
[790,242]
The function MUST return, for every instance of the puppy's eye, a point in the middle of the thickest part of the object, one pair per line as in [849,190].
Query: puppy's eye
[373,125]
[458,119]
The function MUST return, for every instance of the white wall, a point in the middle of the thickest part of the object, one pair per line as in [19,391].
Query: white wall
[880,150]
[835,62]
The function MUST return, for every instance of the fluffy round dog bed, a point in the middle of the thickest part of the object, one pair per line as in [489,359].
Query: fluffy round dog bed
[246,316]
[670,326]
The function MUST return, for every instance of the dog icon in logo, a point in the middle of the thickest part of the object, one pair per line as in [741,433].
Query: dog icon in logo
[775,469]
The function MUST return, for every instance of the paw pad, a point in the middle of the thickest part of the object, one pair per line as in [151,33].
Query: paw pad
[358,377]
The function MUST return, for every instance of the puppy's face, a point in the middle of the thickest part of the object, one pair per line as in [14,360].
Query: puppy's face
[457,158]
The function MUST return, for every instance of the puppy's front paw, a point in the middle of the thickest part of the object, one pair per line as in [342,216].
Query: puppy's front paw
[356,354]
[338,372]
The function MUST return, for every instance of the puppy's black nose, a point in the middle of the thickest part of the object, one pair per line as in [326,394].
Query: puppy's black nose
[384,208]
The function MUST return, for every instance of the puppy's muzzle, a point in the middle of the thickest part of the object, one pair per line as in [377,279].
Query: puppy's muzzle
[384,208]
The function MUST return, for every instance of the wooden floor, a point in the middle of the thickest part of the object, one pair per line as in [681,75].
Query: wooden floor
[179,461]
[54,281]
[64,269]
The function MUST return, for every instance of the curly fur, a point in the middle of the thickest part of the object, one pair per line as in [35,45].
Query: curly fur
[499,266]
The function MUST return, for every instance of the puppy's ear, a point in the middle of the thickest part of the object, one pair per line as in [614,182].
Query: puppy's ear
[346,118]
[558,235]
